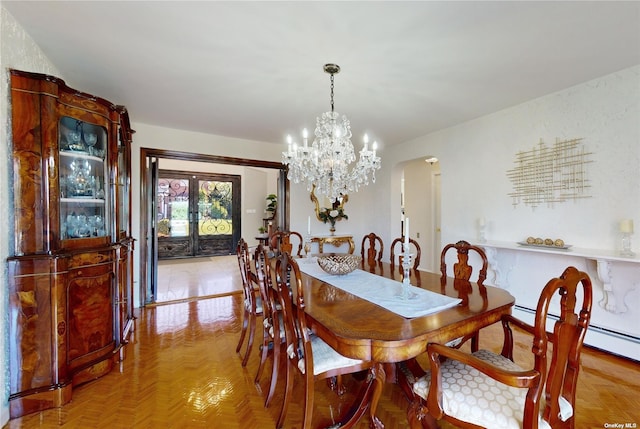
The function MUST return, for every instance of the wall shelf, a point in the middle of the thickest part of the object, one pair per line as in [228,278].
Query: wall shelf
[607,262]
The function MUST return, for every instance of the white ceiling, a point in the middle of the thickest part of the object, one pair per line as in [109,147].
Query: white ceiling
[253,70]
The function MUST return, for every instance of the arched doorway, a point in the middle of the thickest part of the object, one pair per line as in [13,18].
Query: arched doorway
[420,190]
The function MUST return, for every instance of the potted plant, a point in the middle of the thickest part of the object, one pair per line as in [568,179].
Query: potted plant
[272,205]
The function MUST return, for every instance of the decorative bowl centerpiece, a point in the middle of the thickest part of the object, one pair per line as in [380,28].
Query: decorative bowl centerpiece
[339,264]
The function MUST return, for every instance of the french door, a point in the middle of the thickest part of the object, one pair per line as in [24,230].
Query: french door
[197,214]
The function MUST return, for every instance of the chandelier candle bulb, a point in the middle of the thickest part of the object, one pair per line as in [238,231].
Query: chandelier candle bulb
[305,136]
[626,226]
[309,225]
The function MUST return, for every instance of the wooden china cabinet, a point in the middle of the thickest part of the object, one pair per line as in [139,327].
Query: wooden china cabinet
[70,276]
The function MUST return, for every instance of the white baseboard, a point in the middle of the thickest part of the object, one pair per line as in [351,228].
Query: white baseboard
[597,337]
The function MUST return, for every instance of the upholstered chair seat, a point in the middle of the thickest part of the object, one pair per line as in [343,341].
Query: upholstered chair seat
[469,395]
[325,358]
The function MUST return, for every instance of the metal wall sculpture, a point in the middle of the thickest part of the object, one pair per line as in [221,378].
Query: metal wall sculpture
[550,174]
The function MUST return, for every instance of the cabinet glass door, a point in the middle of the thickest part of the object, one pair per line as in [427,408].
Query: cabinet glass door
[83,179]
[122,191]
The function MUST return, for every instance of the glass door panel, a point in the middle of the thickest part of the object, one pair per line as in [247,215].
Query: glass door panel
[214,216]
[83,179]
[215,208]
[173,207]
[123,189]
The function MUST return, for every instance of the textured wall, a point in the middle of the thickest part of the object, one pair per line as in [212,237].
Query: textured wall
[17,51]
[475,156]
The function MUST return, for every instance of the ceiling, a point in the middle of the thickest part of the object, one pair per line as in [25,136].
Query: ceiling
[254,70]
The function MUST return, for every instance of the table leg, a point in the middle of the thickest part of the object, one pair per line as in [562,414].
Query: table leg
[380,378]
[367,398]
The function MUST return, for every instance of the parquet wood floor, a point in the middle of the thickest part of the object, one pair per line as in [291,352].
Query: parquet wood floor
[181,371]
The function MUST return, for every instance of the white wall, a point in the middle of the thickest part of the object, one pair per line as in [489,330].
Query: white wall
[476,155]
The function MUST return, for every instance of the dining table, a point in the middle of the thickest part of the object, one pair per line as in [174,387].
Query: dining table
[351,314]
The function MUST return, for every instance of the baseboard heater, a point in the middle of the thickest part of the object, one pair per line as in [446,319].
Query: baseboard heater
[594,329]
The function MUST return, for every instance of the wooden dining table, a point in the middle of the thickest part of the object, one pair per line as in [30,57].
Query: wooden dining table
[360,329]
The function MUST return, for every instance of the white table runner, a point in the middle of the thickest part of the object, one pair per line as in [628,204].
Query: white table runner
[382,291]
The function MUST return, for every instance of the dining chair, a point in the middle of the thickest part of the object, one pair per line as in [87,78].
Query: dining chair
[415,250]
[307,354]
[273,338]
[280,242]
[485,389]
[369,250]
[461,273]
[252,303]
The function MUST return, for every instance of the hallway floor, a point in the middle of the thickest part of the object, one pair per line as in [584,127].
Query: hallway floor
[184,279]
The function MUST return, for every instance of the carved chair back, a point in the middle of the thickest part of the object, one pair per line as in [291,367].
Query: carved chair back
[272,329]
[251,304]
[372,249]
[415,250]
[461,269]
[281,241]
[462,272]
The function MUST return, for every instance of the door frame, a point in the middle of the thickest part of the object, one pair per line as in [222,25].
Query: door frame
[147,260]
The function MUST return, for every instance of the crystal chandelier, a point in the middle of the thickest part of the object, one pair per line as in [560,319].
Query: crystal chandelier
[326,162]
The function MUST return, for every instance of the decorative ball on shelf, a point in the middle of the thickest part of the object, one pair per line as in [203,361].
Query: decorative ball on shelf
[548,242]
[531,240]
[539,241]
[559,243]
[339,264]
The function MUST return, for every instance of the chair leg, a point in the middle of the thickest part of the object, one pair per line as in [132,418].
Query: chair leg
[266,340]
[252,333]
[335,384]
[245,323]
[287,394]
[475,341]
[275,372]
[418,417]
[308,401]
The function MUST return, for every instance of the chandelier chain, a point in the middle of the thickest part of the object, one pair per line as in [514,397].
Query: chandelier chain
[332,92]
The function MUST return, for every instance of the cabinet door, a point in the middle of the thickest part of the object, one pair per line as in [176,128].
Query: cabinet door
[30,325]
[124,313]
[83,179]
[90,294]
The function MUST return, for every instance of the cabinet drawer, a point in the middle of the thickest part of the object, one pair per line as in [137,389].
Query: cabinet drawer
[91,259]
